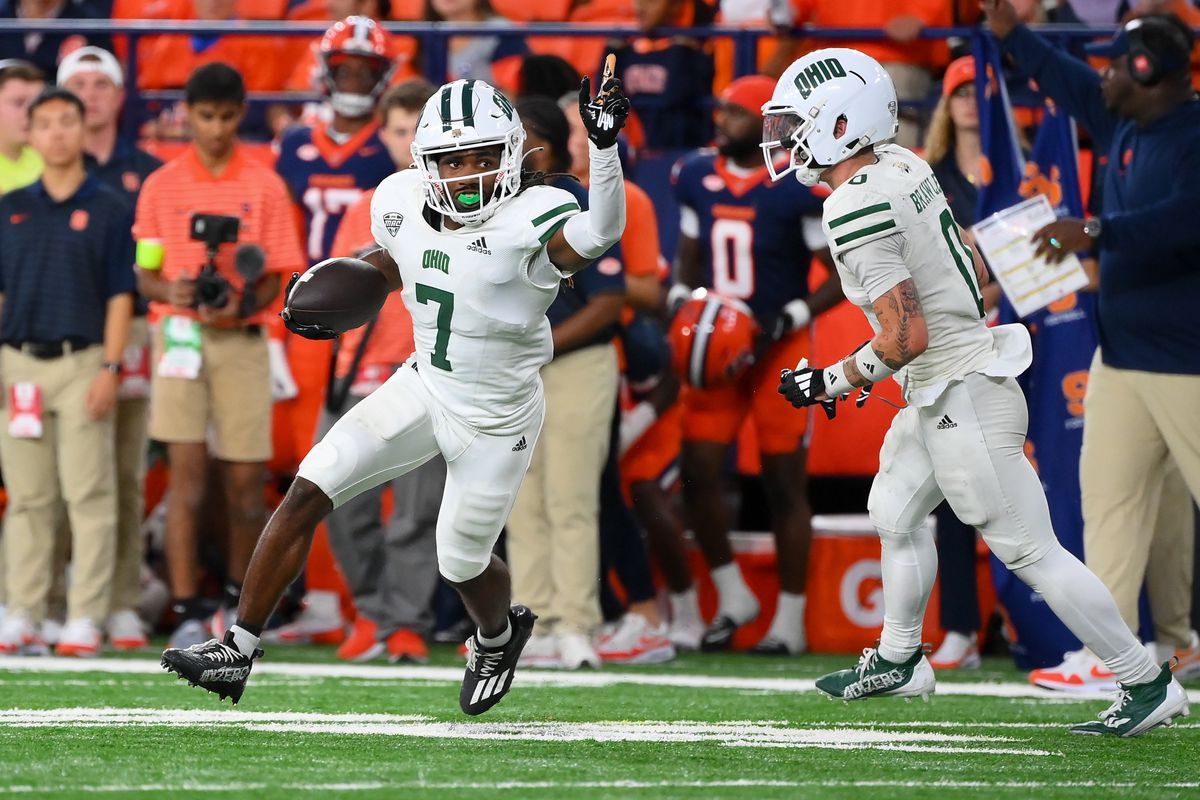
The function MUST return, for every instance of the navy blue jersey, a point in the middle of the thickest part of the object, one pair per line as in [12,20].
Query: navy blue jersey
[750,230]
[326,178]
[669,85]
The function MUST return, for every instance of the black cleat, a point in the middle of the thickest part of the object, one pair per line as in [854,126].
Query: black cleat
[218,667]
[490,670]
[718,635]
[770,646]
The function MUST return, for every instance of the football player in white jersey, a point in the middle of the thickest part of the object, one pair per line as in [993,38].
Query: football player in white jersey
[477,247]
[961,436]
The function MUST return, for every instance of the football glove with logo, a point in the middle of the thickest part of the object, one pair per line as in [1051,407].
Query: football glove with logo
[604,115]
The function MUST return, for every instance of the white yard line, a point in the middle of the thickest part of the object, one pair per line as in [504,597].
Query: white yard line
[737,733]
[532,677]
[374,786]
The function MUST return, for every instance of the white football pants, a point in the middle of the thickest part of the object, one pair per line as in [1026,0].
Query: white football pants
[968,447]
[399,427]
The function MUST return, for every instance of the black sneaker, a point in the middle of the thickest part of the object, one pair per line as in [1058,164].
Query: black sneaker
[218,667]
[718,635]
[490,670]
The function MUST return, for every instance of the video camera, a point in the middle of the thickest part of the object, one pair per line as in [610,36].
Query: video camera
[212,290]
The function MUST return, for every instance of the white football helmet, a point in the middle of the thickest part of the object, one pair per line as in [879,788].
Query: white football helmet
[466,115]
[811,96]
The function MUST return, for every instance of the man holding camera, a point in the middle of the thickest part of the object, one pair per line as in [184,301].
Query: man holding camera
[67,295]
[214,231]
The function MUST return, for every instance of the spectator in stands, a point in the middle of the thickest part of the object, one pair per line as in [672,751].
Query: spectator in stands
[907,58]
[96,78]
[495,59]
[20,164]
[67,287]
[668,81]
[171,59]
[1144,384]
[553,530]
[391,567]
[45,50]
[210,352]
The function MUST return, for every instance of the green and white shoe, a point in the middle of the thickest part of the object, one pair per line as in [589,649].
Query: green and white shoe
[1140,707]
[875,676]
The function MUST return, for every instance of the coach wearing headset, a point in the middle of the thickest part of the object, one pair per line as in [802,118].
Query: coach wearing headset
[1143,401]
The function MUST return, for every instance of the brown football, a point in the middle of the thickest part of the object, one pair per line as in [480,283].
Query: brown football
[339,293]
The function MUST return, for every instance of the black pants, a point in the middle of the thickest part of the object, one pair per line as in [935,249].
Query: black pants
[959,611]
[622,543]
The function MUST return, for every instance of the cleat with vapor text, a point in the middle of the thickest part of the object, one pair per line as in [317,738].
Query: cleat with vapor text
[875,676]
[1140,707]
[217,667]
[490,670]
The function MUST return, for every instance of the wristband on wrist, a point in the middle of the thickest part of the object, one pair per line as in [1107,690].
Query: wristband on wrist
[113,367]
[870,366]
[798,314]
[836,382]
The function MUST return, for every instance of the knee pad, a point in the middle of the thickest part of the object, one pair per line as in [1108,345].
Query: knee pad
[466,536]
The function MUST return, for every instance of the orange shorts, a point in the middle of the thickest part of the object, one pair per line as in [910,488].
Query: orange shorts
[656,453]
[716,415]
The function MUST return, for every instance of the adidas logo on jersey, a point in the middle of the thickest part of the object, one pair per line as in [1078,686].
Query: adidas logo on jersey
[519,446]
[479,246]
[946,423]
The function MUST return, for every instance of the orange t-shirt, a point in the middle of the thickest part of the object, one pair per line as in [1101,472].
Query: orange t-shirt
[391,341]
[639,244]
[875,14]
[170,59]
[245,189]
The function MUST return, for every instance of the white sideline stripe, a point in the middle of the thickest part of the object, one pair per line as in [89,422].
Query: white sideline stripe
[741,733]
[559,785]
[530,677]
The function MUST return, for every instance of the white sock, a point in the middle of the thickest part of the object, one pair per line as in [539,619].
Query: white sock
[788,625]
[1086,607]
[499,640]
[909,565]
[245,641]
[685,608]
[735,600]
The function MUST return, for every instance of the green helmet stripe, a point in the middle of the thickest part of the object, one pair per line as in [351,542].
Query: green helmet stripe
[446,108]
[468,106]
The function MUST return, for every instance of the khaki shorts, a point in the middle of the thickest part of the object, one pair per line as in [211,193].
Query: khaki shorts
[232,394]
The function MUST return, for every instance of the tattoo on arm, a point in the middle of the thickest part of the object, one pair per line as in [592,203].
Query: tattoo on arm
[903,336]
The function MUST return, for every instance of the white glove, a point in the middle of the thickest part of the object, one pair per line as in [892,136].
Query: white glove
[283,385]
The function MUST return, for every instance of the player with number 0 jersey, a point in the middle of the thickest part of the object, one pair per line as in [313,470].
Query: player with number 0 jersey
[961,437]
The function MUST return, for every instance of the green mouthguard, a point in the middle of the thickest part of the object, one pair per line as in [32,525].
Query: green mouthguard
[468,198]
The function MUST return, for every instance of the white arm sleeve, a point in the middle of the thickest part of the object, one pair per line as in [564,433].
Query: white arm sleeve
[878,265]
[814,234]
[689,223]
[600,227]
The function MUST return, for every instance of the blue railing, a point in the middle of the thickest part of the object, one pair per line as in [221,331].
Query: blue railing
[433,37]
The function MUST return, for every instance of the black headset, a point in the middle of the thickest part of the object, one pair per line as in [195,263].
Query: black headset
[1147,67]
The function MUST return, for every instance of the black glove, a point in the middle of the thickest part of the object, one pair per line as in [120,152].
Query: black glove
[864,395]
[605,115]
[316,332]
[803,385]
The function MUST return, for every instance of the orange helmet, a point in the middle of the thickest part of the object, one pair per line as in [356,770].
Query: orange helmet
[712,339]
[362,37]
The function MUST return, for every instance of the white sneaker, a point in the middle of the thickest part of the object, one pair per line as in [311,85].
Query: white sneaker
[51,631]
[17,633]
[957,652]
[540,651]
[1188,665]
[575,650]
[126,631]
[687,626]
[80,638]
[635,641]
[190,633]
[319,622]
[1080,671]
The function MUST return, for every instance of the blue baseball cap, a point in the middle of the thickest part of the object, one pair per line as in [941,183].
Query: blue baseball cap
[1164,35]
